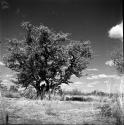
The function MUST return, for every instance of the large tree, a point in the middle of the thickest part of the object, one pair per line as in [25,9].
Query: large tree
[46,59]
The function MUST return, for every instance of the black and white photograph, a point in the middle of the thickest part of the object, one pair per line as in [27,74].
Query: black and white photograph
[61,62]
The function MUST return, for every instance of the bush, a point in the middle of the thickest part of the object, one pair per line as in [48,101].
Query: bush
[113,109]
[30,93]
[3,87]
[10,94]
[78,99]
[13,88]
[105,110]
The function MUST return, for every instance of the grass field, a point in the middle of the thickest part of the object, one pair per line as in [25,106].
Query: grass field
[26,111]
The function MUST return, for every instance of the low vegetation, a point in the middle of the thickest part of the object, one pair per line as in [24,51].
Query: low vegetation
[113,109]
[88,108]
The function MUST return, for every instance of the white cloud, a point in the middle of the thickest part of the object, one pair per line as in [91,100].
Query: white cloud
[5,81]
[91,85]
[66,87]
[101,76]
[94,69]
[106,81]
[14,79]
[78,83]
[116,32]
[109,63]
[92,77]
[2,64]
[8,75]
[94,83]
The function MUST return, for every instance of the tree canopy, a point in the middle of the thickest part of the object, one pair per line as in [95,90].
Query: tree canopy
[46,59]
[118,60]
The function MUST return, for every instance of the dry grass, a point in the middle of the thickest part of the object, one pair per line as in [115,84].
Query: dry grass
[23,111]
[113,108]
[27,111]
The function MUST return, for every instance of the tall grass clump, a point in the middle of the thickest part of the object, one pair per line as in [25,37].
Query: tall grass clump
[49,107]
[12,92]
[3,112]
[113,109]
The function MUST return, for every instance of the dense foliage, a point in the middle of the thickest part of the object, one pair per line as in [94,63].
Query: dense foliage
[45,60]
[118,60]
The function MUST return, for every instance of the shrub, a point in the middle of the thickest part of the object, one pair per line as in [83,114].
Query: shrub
[10,94]
[113,109]
[30,93]
[13,88]
[105,110]
[78,99]
[3,87]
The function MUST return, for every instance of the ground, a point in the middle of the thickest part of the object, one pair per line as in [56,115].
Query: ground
[25,111]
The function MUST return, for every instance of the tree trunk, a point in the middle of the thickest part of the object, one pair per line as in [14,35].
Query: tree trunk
[38,94]
[49,92]
[48,89]
[42,96]
[40,90]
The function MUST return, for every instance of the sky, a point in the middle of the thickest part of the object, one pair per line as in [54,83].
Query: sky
[99,21]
